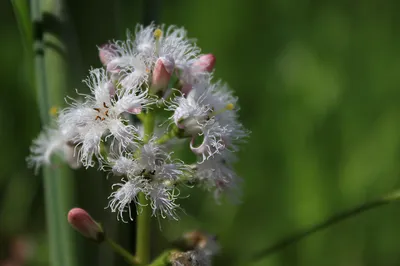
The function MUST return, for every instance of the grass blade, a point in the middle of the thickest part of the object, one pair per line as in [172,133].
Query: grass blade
[51,83]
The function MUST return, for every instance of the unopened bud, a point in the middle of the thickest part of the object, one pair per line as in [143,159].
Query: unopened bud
[82,222]
[107,53]
[205,63]
[162,73]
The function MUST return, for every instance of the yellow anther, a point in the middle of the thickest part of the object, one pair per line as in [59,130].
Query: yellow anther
[230,106]
[53,111]
[157,33]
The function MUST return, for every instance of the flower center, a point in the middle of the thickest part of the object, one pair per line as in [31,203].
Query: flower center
[102,112]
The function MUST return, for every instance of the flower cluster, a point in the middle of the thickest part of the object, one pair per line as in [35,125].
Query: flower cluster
[154,89]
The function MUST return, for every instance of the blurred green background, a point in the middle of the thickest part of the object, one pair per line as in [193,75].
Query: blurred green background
[319,87]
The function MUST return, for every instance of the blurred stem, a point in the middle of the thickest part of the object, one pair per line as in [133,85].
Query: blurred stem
[121,251]
[21,11]
[39,65]
[394,196]
[51,81]
[143,231]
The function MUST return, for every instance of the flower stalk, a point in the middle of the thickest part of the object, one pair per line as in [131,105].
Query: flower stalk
[123,252]
[143,229]
[293,239]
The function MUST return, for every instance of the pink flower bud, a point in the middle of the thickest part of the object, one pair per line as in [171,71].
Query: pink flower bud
[82,222]
[205,63]
[107,53]
[162,73]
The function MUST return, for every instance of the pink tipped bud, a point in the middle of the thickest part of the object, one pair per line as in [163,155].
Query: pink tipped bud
[107,53]
[82,222]
[205,63]
[162,73]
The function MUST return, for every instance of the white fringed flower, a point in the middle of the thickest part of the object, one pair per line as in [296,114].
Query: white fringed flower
[159,165]
[155,42]
[191,113]
[101,116]
[162,200]
[173,171]
[153,173]
[152,155]
[128,67]
[49,142]
[127,192]
[132,61]
[217,174]
[124,165]
[208,113]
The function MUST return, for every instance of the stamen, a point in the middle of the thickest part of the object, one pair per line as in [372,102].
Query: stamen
[105,105]
[97,117]
[157,33]
[228,107]
[106,113]
[97,109]
[53,111]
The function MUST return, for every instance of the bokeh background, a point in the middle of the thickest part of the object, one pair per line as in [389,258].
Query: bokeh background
[319,87]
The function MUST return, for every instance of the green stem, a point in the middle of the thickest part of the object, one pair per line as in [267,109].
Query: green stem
[163,259]
[325,224]
[148,124]
[50,79]
[123,252]
[143,232]
[166,137]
